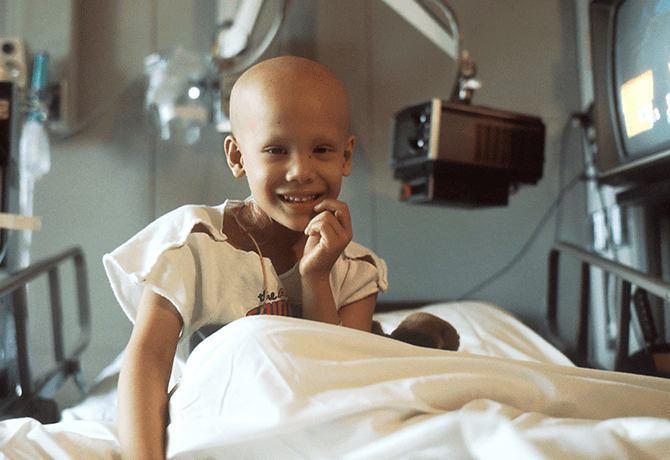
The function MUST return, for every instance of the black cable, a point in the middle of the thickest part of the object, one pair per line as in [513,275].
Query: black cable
[556,206]
[543,221]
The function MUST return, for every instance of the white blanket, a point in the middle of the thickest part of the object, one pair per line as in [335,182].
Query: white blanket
[273,387]
[285,388]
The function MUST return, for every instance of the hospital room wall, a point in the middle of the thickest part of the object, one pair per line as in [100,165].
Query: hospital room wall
[525,51]
[115,177]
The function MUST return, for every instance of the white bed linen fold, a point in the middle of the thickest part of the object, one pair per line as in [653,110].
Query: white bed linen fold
[267,387]
[26,438]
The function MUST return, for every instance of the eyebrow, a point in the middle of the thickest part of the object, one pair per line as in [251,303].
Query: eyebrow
[279,139]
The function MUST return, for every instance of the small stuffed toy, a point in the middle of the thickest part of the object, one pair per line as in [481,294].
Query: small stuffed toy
[424,330]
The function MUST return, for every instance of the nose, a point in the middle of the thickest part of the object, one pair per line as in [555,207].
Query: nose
[299,168]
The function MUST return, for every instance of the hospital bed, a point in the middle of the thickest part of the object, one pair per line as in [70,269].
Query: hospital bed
[21,393]
[276,387]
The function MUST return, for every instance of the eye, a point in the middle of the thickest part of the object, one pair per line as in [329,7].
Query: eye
[323,149]
[275,150]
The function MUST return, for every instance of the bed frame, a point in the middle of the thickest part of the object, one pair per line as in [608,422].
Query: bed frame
[634,287]
[22,395]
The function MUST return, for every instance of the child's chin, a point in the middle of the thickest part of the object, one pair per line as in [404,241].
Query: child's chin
[296,225]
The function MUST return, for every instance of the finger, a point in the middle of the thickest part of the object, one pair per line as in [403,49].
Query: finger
[327,221]
[338,208]
[334,206]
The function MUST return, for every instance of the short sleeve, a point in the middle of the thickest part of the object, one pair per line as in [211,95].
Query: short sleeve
[190,268]
[358,273]
[146,259]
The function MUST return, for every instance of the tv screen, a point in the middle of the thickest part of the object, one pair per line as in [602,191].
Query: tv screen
[630,42]
[642,75]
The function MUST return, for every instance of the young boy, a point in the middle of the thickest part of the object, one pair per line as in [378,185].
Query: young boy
[286,251]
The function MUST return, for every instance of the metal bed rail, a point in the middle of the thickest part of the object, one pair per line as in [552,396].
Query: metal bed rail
[66,365]
[627,277]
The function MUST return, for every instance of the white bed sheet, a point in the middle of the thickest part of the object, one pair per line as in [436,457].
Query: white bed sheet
[269,387]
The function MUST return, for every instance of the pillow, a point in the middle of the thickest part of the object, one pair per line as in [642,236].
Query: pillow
[485,329]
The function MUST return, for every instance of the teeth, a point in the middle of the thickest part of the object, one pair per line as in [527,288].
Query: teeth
[293,199]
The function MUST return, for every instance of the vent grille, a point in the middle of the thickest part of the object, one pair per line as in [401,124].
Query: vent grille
[494,145]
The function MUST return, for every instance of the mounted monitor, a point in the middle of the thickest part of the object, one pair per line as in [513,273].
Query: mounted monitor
[630,50]
[461,155]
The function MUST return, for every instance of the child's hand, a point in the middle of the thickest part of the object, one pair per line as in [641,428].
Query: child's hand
[328,234]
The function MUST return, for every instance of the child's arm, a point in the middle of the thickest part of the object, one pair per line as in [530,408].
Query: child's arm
[144,378]
[328,234]
[358,315]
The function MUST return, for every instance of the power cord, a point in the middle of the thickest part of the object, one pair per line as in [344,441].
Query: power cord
[554,207]
[529,242]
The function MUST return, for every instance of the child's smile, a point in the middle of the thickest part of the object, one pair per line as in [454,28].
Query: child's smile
[298,200]
[299,207]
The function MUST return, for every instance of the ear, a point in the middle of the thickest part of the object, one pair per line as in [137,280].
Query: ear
[234,156]
[348,155]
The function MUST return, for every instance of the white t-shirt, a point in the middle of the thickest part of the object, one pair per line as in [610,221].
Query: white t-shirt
[211,282]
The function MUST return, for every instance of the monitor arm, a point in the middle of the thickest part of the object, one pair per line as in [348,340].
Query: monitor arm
[445,34]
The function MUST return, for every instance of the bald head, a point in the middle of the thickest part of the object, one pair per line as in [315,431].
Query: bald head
[285,79]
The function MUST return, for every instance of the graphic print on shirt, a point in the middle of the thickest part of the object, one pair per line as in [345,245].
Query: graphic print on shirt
[276,304]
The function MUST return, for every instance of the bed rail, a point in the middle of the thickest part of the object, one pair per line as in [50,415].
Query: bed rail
[66,365]
[627,277]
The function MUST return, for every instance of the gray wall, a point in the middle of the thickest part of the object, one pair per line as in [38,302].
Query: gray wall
[114,178]
[526,56]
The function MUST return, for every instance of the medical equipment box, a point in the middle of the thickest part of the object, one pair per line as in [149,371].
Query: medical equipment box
[462,155]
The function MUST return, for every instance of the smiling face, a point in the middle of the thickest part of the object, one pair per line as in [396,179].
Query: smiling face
[291,138]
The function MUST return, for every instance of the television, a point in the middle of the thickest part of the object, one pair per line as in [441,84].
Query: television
[630,54]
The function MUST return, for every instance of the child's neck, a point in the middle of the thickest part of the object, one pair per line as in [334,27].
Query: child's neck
[284,248]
